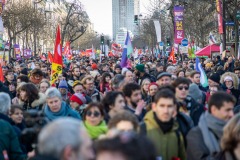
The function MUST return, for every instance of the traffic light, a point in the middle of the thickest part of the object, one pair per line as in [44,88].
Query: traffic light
[168,42]
[108,42]
[102,39]
[136,19]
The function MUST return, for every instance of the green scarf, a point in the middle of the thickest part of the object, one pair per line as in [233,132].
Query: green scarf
[95,131]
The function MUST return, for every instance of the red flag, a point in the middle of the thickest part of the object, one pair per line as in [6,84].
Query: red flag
[172,56]
[57,59]
[1,74]
[67,51]
[50,57]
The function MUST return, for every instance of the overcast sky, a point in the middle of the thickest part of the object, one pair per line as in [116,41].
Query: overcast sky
[100,13]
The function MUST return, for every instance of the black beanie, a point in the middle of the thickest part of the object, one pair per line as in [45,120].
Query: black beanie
[215,77]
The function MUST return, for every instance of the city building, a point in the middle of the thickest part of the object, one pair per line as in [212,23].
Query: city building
[123,12]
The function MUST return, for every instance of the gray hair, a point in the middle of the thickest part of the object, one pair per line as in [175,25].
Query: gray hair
[5,103]
[171,69]
[53,92]
[59,134]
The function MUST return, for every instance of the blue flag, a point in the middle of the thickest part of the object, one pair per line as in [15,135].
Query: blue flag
[127,51]
[203,77]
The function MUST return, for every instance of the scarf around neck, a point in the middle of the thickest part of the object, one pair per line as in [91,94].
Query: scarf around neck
[95,131]
[212,131]
[165,126]
[64,111]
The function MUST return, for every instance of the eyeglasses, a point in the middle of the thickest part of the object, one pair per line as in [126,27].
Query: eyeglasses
[95,114]
[181,88]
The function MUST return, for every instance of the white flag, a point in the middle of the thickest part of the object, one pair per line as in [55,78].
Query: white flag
[158,30]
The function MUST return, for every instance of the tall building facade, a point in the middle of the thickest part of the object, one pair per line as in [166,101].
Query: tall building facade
[123,12]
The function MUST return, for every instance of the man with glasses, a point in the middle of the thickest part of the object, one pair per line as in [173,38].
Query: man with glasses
[90,89]
[186,104]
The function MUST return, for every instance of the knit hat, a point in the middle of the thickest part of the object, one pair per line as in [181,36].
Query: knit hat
[152,84]
[79,98]
[94,66]
[163,74]
[63,84]
[228,78]
[124,70]
[215,77]
[118,66]
[208,65]
[140,67]
[195,92]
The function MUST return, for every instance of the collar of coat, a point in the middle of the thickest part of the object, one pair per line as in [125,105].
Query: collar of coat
[41,100]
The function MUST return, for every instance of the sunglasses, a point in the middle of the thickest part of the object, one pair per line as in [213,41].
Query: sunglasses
[181,88]
[95,114]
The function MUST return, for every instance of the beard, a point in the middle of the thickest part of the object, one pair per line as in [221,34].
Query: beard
[134,104]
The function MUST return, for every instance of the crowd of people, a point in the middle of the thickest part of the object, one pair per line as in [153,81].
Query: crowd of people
[96,110]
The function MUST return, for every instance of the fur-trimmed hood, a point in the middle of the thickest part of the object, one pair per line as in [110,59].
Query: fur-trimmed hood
[40,101]
[234,77]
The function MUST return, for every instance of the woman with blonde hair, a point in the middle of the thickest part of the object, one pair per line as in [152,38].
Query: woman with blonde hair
[144,88]
[230,142]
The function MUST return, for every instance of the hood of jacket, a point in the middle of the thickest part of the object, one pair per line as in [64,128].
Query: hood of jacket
[37,102]
[152,124]
[234,77]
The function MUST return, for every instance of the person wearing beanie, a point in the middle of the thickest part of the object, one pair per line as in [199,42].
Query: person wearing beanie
[214,79]
[94,66]
[78,102]
[63,88]
[195,93]
[141,74]
[230,83]
[117,69]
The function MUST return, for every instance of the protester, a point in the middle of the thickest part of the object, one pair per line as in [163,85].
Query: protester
[36,76]
[113,103]
[55,107]
[64,90]
[186,103]
[124,121]
[144,88]
[203,140]
[104,84]
[78,103]
[135,103]
[90,89]
[64,138]
[9,146]
[195,78]
[230,140]
[43,86]
[230,84]
[128,76]
[16,114]
[94,120]
[125,146]
[161,127]
[30,97]
[164,78]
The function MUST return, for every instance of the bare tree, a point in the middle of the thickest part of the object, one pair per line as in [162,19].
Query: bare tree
[18,17]
[75,23]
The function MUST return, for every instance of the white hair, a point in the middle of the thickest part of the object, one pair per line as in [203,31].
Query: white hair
[171,69]
[53,92]
[5,102]
[59,134]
